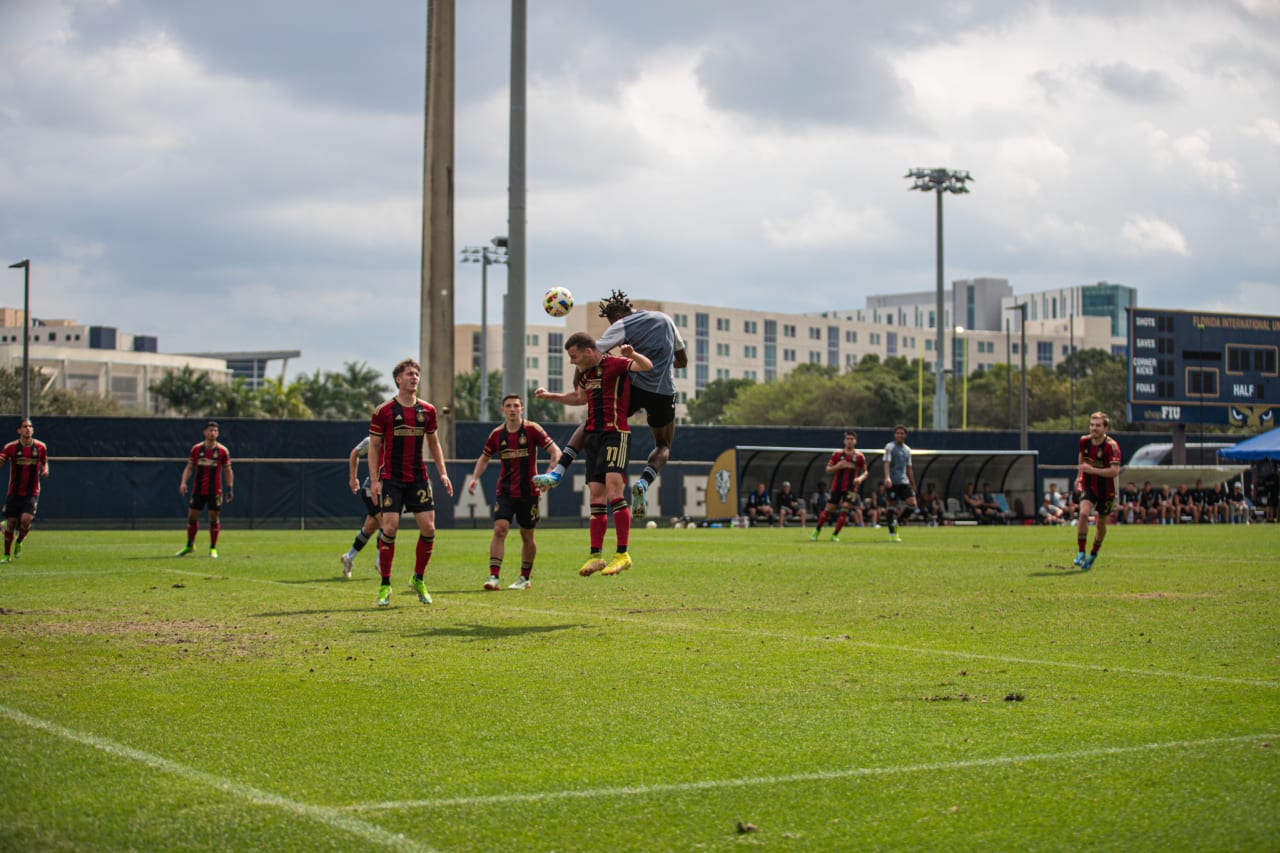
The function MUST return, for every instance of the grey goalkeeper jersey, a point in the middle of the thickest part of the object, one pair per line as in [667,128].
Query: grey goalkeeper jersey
[899,459]
[653,335]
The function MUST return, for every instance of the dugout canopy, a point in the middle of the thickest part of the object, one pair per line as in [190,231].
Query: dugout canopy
[737,470]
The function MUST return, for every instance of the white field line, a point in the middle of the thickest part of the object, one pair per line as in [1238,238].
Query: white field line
[819,776]
[331,817]
[749,632]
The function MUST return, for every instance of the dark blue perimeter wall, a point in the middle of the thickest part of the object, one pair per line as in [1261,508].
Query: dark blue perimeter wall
[125,471]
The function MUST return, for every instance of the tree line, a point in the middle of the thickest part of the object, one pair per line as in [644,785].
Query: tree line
[873,393]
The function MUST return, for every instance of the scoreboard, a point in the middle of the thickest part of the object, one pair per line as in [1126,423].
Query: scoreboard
[1192,367]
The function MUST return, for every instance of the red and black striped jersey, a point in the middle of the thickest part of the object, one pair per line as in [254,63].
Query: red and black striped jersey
[25,464]
[402,430]
[608,387]
[842,480]
[518,451]
[207,465]
[1102,455]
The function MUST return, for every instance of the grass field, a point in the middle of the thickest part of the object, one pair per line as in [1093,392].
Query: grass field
[962,690]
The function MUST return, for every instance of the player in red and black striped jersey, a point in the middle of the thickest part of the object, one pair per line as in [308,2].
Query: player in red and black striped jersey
[207,464]
[848,468]
[28,461]
[398,474]
[1098,468]
[603,385]
[515,443]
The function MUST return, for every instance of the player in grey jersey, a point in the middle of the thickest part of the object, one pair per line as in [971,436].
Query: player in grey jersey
[654,335]
[899,480]
[371,521]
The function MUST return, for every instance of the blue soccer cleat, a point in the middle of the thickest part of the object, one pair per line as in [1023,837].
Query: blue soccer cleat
[1088,562]
[639,499]
[547,481]
[1079,560]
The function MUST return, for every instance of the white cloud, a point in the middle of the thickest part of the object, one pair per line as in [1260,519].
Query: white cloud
[829,222]
[1149,235]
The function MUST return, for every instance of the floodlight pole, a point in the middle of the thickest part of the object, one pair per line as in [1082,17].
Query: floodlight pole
[25,264]
[485,255]
[939,181]
[1200,455]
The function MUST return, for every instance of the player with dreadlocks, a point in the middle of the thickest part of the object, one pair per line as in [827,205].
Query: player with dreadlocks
[654,335]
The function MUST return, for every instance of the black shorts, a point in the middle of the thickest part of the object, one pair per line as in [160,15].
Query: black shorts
[901,492]
[17,506]
[414,497]
[523,510]
[1101,504]
[370,507]
[659,409]
[605,453]
[849,499]
[212,502]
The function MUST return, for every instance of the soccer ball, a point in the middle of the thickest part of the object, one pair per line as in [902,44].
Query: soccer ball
[557,301]
[651,525]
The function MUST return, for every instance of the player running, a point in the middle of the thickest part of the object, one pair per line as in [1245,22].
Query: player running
[847,469]
[371,519]
[28,461]
[899,480]
[654,335]
[1098,467]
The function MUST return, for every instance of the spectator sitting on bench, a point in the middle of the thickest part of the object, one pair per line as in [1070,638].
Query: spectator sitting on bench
[790,505]
[931,505]
[992,506]
[973,503]
[759,507]
[1050,514]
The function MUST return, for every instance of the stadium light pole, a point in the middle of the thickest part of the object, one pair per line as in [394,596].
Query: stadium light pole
[485,255]
[25,266]
[1200,358]
[1021,308]
[964,371]
[939,181]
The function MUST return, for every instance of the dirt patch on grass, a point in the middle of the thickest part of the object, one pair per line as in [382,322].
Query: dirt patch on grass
[209,637]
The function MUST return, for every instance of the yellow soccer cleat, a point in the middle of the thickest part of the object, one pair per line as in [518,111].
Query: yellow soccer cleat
[593,564]
[620,563]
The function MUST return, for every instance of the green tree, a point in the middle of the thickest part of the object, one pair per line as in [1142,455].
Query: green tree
[466,396]
[186,392]
[47,400]
[280,401]
[708,407]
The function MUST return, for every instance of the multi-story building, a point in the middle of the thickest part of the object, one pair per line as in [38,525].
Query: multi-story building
[734,343]
[97,359]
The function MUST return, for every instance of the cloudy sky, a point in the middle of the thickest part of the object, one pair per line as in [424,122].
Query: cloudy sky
[246,174]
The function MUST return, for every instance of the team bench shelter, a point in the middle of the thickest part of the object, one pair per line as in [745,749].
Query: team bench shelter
[1011,473]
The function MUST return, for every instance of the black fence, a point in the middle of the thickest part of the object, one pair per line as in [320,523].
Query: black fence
[124,472]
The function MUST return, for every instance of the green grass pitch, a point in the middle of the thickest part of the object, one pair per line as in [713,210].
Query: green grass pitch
[738,689]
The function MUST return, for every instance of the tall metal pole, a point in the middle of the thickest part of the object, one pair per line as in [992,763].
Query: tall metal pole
[939,181]
[25,264]
[436,318]
[513,381]
[1022,309]
[1008,373]
[484,336]
[1071,356]
[1200,456]
[939,375]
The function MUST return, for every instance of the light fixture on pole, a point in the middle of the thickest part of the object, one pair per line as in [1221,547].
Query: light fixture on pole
[25,265]
[964,371]
[485,255]
[1021,308]
[939,181]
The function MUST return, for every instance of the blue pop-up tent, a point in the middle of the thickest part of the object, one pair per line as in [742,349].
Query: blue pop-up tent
[1262,446]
